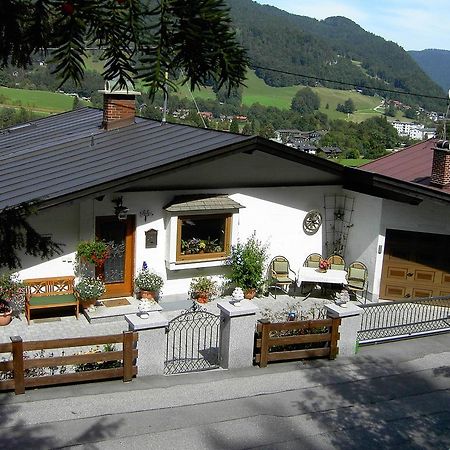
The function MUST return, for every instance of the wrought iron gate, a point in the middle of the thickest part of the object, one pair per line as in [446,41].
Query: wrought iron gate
[192,342]
[404,318]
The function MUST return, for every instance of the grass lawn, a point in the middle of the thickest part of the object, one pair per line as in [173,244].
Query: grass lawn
[39,101]
[257,91]
[353,162]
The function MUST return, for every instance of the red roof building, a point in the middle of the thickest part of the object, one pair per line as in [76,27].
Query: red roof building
[413,164]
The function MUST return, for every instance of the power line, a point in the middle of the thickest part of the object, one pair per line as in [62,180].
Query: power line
[253,66]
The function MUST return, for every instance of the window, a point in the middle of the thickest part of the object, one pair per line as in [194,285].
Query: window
[203,237]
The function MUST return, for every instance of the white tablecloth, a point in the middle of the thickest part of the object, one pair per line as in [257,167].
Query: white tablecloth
[313,275]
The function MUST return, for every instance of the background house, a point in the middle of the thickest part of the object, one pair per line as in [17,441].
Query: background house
[175,184]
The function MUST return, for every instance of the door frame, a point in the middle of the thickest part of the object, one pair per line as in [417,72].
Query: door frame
[125,288]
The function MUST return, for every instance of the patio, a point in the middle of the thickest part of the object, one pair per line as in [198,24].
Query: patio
[107,320]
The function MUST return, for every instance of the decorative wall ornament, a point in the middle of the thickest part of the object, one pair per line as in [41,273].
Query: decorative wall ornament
[312,222]
[145,213]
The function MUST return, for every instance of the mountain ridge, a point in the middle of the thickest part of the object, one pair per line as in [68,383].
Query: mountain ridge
[436,63]
[334,48]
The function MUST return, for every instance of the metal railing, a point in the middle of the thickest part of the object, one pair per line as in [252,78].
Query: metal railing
[192,342]
[404,318]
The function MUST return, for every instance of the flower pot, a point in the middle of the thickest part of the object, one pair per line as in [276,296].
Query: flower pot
[88,302]
[202,297]
[250,293]
[5,318]
[149,295]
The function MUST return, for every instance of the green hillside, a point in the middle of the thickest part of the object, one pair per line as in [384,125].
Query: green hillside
[334,48]
[38,101]
[257,91]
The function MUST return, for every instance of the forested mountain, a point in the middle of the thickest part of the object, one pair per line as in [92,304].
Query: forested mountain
[436,63]
[335,48]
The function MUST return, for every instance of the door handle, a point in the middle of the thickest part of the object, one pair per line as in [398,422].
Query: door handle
[407,295]
[409,274]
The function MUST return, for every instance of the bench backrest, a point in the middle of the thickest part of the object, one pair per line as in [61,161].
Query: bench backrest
[40,287]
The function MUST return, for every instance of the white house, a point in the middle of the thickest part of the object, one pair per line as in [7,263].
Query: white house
[154,189]
[413,130]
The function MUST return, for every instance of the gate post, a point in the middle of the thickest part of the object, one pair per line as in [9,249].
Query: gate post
[350,316]
[151,343]
[237,334]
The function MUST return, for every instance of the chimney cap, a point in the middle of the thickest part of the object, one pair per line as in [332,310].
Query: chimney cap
[113,87]
[445,145]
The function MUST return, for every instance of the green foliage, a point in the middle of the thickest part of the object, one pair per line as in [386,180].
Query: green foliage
[436,64]
[94,252]
[234,127]
[90,288]
[247,263]
[390,110]
[85,367]
[12,293]
[204,285]
[148,281]
[146,37]
[348,107]
[411,113]
[370,138]
[17,236]
[327,49]
[305,101]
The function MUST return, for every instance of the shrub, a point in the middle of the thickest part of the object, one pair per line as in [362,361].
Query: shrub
[247,263]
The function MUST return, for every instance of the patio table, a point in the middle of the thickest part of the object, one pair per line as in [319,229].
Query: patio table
[313,275]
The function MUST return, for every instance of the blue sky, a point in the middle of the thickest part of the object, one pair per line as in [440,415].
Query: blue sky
[413,24]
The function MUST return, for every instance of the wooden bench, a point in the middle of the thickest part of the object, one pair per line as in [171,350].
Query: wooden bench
[45,293]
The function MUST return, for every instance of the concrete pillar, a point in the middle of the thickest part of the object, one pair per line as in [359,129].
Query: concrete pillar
[237,330]
[151,343]
[350,316]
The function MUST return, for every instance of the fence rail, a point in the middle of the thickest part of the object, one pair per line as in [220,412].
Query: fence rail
[270,336]
[404,318]
[21,364]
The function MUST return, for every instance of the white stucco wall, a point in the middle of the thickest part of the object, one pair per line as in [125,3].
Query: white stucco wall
[364,235]
[62,225]
[275,214]
[373,216]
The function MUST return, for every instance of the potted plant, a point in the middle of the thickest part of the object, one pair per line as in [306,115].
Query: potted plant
[148,283]
[247,265]
[89,290]
[11,290]
[203,288]
[93,252]
[324,265]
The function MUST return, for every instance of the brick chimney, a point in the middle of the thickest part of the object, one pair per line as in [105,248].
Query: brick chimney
[119,106]
[440,172]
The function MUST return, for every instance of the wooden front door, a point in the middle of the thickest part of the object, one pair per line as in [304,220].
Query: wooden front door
[118,269]
[415,265]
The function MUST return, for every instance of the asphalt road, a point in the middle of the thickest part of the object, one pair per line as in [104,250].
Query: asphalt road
[387,396]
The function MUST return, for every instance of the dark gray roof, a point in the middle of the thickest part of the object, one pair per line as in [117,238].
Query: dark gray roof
[69,152]
[203,203]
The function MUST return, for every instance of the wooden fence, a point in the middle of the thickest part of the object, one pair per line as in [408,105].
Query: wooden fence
[296,336]
[21,363]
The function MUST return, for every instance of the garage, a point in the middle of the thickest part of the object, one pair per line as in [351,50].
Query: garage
[415,265]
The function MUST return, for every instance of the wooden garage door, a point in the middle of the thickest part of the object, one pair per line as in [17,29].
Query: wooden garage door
[415,265]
